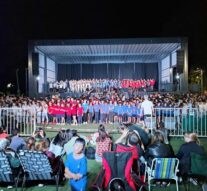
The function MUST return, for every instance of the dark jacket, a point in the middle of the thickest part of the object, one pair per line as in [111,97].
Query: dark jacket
[158,150]
[143,135]
[184,155]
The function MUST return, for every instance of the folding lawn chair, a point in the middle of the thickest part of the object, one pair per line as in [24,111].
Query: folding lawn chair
[163,169]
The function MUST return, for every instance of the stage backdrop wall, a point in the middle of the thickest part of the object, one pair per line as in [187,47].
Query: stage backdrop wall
[111,71]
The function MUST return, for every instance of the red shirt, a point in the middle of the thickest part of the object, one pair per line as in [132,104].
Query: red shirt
[62,110]
[103,146]
[68,111]
[51,110]
[79,111]
[3,135]
[74,110]
[55,109]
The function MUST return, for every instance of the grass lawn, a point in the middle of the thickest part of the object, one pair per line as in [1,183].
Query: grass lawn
[94,167]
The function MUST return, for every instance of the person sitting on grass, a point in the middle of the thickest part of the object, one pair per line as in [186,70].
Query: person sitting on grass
[158,149]
[103,144]
[76,166]
[55,162]
[17,142]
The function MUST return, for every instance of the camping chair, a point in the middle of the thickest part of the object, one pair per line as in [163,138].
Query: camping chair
[117,165]
[163,169]
[6,173]
[36,167]
[198,170]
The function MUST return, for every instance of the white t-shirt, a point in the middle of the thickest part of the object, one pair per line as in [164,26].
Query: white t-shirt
[147,107]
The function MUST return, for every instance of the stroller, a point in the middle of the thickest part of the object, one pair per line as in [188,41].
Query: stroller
[117,167]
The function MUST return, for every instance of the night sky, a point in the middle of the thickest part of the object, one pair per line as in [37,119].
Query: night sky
[21,21]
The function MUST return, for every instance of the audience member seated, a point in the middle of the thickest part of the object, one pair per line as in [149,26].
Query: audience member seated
[3,133]
[130,141]
[93,137]
[4,139]
[68,147]
[55,162]
[103,144]
[141,131]
[40,135]
[192,144]
[157,148]
[30,144]
[17,142]
[57,144]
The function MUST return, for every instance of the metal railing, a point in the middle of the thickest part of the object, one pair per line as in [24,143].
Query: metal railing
[24,120]
[179,120]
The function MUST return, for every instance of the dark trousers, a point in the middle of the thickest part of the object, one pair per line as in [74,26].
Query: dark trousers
[97,117]
[68,119]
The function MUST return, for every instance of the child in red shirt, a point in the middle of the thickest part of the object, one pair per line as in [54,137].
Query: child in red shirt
[74,113]
[68,113]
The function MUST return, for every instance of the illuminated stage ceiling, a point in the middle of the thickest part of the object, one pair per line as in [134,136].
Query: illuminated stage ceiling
[101,51]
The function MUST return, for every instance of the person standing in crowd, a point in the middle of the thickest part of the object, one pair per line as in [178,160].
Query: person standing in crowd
[76,166]
[120,112]
[96,110]
[147,107]
[39,113]
[101,105]
[74,113]
[68,113]
[80,111]
[90,112]
[115,111]
[111,112]
[85,111]
[44,113]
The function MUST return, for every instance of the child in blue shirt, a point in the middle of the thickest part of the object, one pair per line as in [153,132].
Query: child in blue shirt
[76,166]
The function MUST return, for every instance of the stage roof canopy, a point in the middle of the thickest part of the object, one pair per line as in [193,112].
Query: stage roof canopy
[108,50]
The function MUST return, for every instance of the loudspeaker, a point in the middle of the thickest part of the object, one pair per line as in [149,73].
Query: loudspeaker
[180,61]
[35,64]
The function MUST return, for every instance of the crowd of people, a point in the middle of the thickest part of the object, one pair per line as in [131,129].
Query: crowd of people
[143,145]
[82,85]
[109,108]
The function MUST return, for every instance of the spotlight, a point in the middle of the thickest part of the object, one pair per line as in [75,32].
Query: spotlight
[37,78]
[9,85]
[177,76]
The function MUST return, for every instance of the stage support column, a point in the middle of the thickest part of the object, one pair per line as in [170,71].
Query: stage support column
[185,67]
[32,82]
[45,76]
[159,76]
